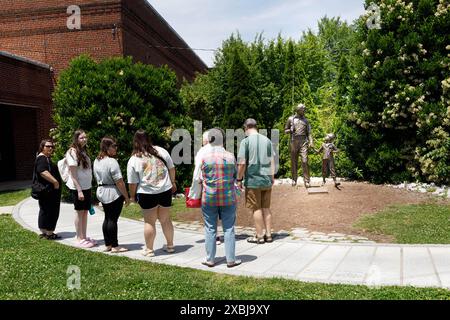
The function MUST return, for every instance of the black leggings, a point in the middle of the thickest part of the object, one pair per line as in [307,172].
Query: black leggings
[112,213]
[49,210]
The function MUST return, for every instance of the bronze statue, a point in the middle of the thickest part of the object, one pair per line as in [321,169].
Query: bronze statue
[301,139]
[329,149]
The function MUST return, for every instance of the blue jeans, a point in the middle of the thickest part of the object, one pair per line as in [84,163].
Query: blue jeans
[228,216]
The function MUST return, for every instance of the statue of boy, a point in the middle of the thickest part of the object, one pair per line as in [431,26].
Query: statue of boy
[301,139]
[329,149]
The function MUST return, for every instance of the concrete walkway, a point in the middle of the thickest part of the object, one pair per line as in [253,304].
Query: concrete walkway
[366,264]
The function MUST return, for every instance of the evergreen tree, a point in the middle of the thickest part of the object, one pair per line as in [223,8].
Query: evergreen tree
[241,102]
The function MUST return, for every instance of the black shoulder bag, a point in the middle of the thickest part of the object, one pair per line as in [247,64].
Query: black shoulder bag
[38,189]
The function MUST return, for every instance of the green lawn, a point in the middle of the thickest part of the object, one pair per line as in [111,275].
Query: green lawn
[427,223]
[11,198]
[31,268]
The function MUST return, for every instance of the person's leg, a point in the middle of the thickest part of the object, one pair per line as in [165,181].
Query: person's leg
[267,214]
[55,204]
[86,205]
[217,230]
[78,229]
[118,205]
[228,214]
[43,217]
[324,169]
[108,225]
[150,216]
[166,225]
[84,219]
[333,172]
[295,149]
[305,166]
[105,226]
[259,223]
[253,202]
[210,220]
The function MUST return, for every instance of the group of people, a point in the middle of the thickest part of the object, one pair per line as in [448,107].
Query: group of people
[151,180]
[221,176]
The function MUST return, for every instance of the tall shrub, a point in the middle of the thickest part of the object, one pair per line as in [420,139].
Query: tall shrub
[399,121]
[116,97]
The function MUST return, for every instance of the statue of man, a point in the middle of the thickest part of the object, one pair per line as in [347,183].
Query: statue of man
[300,130]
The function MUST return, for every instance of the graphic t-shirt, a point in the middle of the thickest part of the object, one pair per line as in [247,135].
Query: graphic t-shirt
[150,172]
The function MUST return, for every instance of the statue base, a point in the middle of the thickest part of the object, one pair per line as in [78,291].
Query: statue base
[316,190]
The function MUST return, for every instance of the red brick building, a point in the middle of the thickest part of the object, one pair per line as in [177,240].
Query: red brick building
[25,106]
[38,31]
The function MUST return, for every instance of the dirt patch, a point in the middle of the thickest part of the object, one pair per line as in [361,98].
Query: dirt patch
[335,211]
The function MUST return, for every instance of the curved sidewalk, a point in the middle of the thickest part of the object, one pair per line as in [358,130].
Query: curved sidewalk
[363,264]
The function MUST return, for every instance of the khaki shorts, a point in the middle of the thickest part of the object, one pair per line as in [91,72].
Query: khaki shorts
[256,199]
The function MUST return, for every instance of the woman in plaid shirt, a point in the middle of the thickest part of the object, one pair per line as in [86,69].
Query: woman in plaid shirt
[218,174]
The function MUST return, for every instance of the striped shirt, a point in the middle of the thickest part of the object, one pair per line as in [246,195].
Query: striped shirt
[218,172]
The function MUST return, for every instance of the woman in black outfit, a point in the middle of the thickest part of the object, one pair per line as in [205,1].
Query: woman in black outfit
[49,202]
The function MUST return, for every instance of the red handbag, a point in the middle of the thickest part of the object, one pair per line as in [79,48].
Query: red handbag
[192,203]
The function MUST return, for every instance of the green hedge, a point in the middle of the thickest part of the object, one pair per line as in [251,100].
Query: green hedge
[116,97]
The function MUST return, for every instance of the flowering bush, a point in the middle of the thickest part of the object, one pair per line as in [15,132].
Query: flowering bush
[400,103]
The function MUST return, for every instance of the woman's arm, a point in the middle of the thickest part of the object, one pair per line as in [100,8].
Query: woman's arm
[121,186]
[73,173]
[133,187]
[48,176]
[172,179]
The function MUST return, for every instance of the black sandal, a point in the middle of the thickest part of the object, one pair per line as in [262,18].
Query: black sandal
[53,236]
[234,264]
[255,240]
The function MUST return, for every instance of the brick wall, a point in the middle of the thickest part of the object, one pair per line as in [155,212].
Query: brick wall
[25,89]
[38,30]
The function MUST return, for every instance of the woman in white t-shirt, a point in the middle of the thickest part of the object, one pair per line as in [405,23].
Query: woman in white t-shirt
[80,184]
[151,177]
[111,192]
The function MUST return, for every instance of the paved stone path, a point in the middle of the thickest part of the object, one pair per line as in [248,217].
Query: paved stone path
[302,234]
[348,263]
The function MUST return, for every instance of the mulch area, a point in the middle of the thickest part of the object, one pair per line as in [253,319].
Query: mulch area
[335,211]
